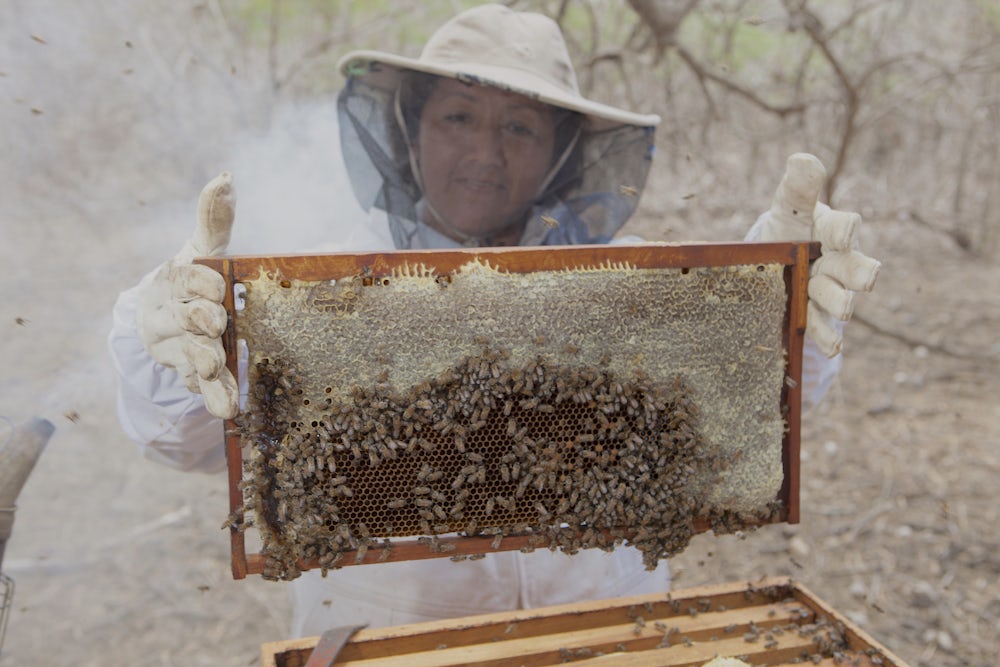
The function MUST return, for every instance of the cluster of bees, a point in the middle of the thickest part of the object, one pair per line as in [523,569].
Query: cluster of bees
[574,457]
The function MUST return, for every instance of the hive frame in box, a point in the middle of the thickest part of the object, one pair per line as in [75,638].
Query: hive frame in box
[773,621]
[793,256]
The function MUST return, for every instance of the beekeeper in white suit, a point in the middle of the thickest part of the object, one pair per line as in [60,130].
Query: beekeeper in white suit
[482,140]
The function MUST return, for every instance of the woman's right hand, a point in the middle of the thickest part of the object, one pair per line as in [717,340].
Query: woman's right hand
[180,317]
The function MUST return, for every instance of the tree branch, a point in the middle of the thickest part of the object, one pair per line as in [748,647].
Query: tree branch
[703,73]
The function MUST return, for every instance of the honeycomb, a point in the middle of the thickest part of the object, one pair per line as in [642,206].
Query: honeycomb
[588,408]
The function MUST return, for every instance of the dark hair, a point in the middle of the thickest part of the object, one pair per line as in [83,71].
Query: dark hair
[415,89]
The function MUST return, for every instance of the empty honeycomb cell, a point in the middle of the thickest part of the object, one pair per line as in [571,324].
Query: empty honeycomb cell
[581,407]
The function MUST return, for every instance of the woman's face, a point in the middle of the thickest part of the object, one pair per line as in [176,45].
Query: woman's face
[483,154]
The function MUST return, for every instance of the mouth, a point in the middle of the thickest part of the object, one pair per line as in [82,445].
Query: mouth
[481,185]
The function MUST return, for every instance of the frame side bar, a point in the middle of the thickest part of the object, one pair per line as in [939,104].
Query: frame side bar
[234,449]
[799,296]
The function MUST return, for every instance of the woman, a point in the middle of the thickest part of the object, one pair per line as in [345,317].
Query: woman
[483,140]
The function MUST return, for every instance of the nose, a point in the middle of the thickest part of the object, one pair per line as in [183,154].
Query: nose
[488,145]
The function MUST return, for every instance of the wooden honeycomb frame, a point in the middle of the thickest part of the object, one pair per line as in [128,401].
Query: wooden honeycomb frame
[376,267]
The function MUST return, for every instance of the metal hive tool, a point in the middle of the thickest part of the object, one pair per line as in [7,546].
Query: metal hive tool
[407,405]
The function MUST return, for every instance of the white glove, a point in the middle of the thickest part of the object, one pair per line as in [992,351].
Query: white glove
[841,270]
[180,317]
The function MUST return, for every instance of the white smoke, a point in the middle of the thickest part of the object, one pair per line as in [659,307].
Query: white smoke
[293,191]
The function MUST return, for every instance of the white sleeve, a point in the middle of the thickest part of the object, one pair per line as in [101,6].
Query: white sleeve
[818,370]
[169,424]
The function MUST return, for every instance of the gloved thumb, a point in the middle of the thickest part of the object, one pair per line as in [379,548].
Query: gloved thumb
[216,209]
[795,199]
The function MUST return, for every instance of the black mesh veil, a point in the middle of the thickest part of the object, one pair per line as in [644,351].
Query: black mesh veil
[592,187]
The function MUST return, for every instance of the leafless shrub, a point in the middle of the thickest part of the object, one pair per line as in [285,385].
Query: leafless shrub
[898,98]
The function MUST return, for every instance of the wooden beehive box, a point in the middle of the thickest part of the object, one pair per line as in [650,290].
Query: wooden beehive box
[768,622]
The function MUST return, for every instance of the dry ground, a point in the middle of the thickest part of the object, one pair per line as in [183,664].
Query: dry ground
[118,561]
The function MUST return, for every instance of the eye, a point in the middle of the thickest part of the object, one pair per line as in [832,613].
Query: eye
[458,118]
[521,129]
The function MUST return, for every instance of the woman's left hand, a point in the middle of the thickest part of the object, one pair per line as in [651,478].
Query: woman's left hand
[841,270]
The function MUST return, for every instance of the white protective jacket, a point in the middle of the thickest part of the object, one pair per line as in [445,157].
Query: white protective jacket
[171,426]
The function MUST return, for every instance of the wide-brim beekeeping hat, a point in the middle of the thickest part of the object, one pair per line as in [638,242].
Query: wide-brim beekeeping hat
[521,52]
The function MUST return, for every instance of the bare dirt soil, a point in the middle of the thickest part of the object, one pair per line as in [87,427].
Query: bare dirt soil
[118,561]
